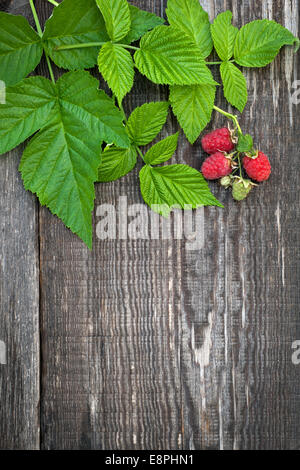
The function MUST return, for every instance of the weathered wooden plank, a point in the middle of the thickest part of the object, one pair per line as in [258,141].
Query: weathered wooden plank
[19,303]
[19,310]
[19,307]
[241,308]
[148,345]
[110,331]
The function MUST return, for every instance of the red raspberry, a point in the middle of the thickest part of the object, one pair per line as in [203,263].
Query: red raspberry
[259,169]
[216,166]
[218,141]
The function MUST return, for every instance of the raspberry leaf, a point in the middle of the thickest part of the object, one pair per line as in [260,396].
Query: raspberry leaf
[146,121]
[74,22]
[117,17]
[60,164]
[193,105]
[116,162]
[189,16]
[245,143]
[162,151]
[168,56]
[186,15]
[116,66]
[235,85]
[224,34]
[174,185]
[27,108]
[205,42]
[79,92]
[141,22]
[257,43]
[61,170]
[20,48]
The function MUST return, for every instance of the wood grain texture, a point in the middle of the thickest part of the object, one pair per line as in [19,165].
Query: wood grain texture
[177,349]
[244,315]
[19,301]
[111,338]
[145,345]
[19,310]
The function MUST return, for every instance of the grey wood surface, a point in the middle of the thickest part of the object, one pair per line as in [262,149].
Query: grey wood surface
[143,344]
[19,310]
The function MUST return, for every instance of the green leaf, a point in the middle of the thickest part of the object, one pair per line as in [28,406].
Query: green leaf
[235,85]
[189,16]
[258,43]
[116,162]
[94,106]
[74,22]
[60,163]
[186,15]
[205,40]
[162,151]
[33,103]
[27,108]
[245,143]
[224,34]
[141,22]
[61,169]
[168,56]
[116,66]
[171,185]
[20,48]
[193,105]
[117,17]
[146,121]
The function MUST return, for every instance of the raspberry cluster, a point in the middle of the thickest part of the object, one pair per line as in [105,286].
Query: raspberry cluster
[225,160]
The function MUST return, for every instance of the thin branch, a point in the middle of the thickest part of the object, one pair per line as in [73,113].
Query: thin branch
[128,47]
[92,44]
[50,68]
[40,32]
[218,62]
[79,46]
[140,152]
[53,2]
[230,116]
[36,18]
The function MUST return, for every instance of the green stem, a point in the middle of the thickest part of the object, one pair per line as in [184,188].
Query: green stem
[128,47]
[140,152]
[230,116]
[240,165]
[80,46]
[50,68]
[92,44]
[36,19]
[53,3]
[125,119]
[217,63]
[122,109]
[40,32]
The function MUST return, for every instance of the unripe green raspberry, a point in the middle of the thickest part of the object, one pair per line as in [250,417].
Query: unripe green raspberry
[225,181]
[241,189]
